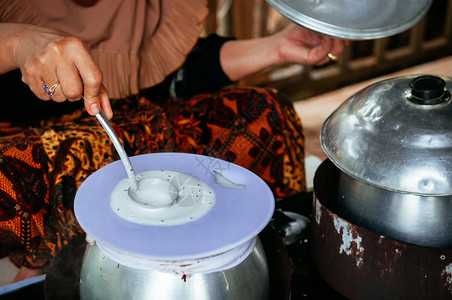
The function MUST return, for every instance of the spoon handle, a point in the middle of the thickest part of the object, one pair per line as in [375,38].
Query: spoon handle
[122,153]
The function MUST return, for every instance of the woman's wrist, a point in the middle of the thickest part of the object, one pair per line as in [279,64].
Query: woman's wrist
[10,35]
[243,58]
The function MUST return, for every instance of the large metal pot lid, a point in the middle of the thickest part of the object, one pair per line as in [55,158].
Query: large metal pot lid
[217,207]
[354,19]
[395,134]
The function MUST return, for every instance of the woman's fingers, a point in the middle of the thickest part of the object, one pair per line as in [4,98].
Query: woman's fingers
[54,91]
[92,79]
[337,48]
[71,85]
[105,103]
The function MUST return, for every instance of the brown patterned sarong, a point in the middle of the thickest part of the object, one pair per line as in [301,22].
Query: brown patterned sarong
[42,165]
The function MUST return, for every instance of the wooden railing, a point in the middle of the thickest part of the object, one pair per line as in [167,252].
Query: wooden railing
[428,40]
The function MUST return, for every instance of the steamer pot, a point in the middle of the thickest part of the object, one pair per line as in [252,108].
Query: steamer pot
[392,142]
[202,244]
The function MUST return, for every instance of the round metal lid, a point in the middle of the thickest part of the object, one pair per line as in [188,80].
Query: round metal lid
[244,206]
[354,19]
[395,134]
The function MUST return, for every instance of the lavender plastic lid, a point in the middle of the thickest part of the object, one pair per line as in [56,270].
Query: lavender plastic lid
[238,215]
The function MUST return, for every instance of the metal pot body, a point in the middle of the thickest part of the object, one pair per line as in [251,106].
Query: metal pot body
[410,218]
[103,278]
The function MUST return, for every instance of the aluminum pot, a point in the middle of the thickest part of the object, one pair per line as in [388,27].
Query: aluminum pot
[102,278]
[393,143]
[202,244]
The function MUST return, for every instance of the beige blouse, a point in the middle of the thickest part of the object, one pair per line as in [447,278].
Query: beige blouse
[135,42]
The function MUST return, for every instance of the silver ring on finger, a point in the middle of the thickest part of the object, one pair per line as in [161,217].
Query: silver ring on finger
[51,89]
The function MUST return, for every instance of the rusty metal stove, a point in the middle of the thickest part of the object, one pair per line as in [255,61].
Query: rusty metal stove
[361,264]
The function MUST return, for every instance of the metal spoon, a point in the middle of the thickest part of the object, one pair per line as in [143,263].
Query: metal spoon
[122,153]
[146,191]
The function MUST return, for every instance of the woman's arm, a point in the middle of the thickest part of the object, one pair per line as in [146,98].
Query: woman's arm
[45,57]
[218,61]
[294,44]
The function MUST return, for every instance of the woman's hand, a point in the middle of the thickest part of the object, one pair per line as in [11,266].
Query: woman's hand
[294,44]
[52,58]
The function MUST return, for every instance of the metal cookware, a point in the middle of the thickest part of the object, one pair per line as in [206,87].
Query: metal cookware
[393,143]
[362,264]
[354,19]
[194,237]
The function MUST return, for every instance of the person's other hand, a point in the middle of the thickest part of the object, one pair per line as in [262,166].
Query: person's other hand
[63,63]
[296,44]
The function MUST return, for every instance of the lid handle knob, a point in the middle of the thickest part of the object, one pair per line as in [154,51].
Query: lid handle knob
[428,90]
